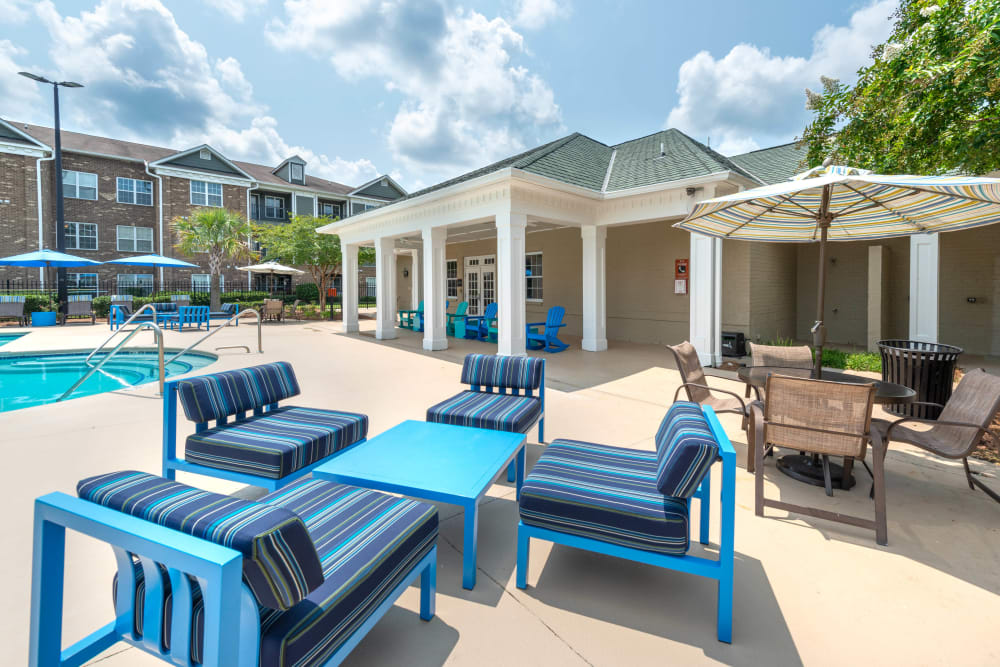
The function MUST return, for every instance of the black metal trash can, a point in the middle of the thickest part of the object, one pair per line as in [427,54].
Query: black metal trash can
[927,368]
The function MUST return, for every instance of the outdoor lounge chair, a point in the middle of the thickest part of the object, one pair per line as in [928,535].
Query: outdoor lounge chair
[480,326]
[635,504]
[80,305]
[253,440]
[12,307]
[548,339]
[501,397]
[225,312]
[298,577]
[823,418]
[963,422]
[120,310]
[456,321]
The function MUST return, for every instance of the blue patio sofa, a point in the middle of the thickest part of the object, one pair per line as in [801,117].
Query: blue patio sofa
[297,577]
[253,441]
[635,504]
[501,396]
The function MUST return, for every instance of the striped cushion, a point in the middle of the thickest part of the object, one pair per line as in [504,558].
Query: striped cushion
[604,493]
[493,370]
[7,298]
[498,412]
[79,297]
[276,443]
[123,298]
[368,542]
[164,307]
[180,297]
[219,395]
[280,564]
[230,308]
[685,450]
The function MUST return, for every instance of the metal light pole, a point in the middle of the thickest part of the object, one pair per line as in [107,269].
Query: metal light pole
[60,217]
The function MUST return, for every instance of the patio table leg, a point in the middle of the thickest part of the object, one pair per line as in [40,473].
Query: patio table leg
[469,547]
[428,588]
[520,471]
[511,473]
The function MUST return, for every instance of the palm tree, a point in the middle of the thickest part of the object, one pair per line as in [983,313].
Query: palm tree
[222,234]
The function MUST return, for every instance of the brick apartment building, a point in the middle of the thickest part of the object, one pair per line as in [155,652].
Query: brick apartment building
[120,198]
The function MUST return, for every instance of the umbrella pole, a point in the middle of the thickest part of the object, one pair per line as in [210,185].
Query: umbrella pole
[819,329]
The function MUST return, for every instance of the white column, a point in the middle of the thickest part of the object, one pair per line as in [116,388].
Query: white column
[349,286]
[414,279]
[385,288]
[435,288]
[705,320]
[924,261]
[595,336]
[510,282]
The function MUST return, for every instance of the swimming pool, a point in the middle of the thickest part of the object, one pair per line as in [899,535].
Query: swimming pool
[8,337]
[28,379]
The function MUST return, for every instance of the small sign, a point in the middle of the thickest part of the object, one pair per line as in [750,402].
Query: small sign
[680,286]
[680,269]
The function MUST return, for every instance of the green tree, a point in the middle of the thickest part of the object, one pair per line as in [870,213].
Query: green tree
[222,234]
[297,242]
[930,101]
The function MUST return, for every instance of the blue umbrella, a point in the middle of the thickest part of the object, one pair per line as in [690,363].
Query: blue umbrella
[153,261]
[46,258]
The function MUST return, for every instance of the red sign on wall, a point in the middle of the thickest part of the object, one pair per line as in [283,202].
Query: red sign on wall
[680,269]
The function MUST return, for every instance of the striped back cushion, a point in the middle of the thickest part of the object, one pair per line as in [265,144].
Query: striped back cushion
[231,308]
[180,297]
[80,297]
[121,298]
[494,370]
[219,395]
[685,450]
[6,298]
[163,307]
[280,563]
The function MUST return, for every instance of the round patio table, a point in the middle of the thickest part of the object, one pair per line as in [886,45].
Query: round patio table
[806,467]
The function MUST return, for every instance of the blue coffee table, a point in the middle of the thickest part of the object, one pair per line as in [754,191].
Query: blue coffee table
[437,462]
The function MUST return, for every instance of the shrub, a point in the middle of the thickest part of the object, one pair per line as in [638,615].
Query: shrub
[855,361]
[38,303]
[307,292]
[102,305]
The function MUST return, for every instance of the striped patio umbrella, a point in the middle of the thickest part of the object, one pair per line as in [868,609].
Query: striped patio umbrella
[837,203]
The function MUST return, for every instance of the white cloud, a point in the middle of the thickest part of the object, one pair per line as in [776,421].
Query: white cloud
[13,11]
[238,9]
[534,14]
[21,97]
[464,100]
[751,98]
[148,81]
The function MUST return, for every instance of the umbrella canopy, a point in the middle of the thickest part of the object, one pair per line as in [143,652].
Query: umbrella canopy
[847,204]
[46,258]
[270,268]
[151,260]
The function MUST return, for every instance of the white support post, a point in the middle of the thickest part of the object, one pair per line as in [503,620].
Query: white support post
[595,337]
[510,284]
[414,279]
[385,288]
[349,286]
[924,267]
[435,288]
[705,320]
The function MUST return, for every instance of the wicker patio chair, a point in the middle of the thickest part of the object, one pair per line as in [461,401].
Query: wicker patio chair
[964,419]
[825,418]
[274,309]
[696,386]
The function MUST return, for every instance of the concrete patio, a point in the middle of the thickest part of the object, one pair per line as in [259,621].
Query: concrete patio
[806,592]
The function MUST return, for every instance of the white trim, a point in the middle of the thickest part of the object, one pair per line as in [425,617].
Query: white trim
[607,174]
[293,158]
[376,180]
[197,149]
[97,236]
[24,135]
[159,212]
[135,193]
[97,184]
[194,175]
[135,238]
[20,149]
[39,209]
[222,194]
[526,277]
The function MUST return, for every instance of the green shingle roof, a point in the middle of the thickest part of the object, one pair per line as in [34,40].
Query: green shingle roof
[773,165]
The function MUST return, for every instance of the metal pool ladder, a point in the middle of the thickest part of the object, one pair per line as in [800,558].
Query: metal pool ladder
[139,327]
[211,332]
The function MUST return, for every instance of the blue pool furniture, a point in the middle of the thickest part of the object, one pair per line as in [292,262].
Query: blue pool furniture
[225,312]
[192,316]
[548,338]
[635,504]
[408,318]
[12,307]
[120,310]
[501,396]
[478,326]
[299,576]
[420,316]
[254,441]
[436,462]
[456,320]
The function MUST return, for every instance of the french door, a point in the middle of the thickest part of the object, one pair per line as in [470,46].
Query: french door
[480,282]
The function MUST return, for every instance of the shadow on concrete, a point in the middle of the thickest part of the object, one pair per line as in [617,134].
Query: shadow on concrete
[427,643]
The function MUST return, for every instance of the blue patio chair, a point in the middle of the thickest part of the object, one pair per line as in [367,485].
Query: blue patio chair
[420,316]
[548,340]
[253,441]
[408,318]
[298,577]
[119,310]
[635,504]
[479,326]
[192,316]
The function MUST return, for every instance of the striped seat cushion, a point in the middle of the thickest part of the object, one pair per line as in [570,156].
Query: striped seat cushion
[493,370]
[604,493]
[368,543]
[276,443]
[280,564]
[498,412]
[685,450]
[219,395]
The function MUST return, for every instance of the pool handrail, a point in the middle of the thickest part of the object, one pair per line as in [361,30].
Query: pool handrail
[157,332]
[211,332]
[142,309]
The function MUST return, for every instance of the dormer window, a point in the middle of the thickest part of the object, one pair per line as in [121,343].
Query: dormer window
[205,154]
[296,172]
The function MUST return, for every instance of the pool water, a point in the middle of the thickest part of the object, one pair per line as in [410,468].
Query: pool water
[38,378]
[8,337]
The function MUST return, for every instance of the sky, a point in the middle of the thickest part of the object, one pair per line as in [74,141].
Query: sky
[424,90]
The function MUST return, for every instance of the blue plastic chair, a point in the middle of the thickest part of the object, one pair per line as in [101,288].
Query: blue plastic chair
[478,326]
[548,340]
[408,318]
[420,316]
[456,320]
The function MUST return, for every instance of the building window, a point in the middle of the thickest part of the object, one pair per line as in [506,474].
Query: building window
[79,185]
[81,236]
[135,239]
[296,172]
[132,191]
[205,154]
[201,282]
[329,210]
[206,194]
[451,270]
[142,280]
[81,281]
[255,207]
[274,208]
[533,275]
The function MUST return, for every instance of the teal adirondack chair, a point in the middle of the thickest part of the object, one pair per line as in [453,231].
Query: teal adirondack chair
[548,339]
[456,320]
[478,326]
[420,316]
[408,318]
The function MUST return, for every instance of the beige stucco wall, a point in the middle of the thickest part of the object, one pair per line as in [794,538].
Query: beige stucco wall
[970,267]
[404,283]
[736,286]
[772,299]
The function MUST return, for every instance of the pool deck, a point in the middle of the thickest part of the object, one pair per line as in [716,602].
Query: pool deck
[806,591]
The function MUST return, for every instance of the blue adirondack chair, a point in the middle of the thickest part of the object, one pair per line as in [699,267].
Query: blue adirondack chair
[408,318]
[420,315]
[456,320]
[548,340]
[479,326]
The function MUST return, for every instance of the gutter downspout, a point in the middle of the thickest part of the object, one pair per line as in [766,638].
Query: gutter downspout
[38,198]
[159,202]
[249,237]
